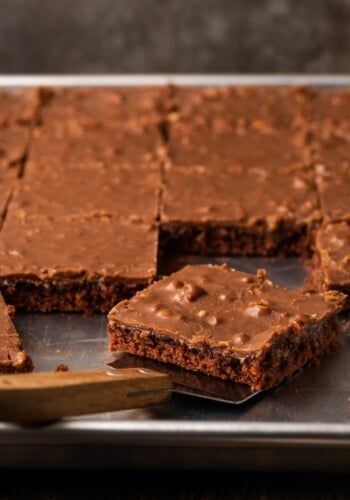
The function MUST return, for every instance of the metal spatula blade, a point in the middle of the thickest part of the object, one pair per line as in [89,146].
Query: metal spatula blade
[189,383]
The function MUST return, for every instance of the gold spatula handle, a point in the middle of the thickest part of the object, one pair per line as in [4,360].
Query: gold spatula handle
[38,397]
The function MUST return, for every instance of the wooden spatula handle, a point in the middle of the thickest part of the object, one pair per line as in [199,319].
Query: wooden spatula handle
[37,397]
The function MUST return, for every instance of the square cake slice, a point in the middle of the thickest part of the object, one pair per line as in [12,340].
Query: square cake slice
[74,263]
[228,324]
[225,194]
[12,356]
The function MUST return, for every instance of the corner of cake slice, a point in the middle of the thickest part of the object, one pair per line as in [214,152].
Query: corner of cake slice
[228,324]
[13,358]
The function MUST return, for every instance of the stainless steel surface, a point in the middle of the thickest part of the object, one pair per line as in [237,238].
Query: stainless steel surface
[303,424]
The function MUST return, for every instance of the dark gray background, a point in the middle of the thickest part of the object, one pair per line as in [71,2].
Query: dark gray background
[106,36]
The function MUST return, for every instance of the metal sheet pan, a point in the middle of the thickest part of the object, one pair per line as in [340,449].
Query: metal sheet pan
[303,424]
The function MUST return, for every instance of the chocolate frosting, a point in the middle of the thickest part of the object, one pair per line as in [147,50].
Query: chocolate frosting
[103,105]
[327,113]
[241,156]
[18,111]
[71,143]
[91,154]
[40,247]
[223,308]
[260,178]
[242,107]
[89,189]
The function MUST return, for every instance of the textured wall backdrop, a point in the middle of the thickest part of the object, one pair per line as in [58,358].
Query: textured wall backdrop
[99,36]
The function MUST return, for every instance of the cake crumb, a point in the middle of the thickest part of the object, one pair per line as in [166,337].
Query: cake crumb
[62,367]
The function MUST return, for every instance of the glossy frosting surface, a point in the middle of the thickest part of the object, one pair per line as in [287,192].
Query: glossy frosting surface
[221,307]
[95,247]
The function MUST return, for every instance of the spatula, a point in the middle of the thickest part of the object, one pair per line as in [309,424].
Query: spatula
[128,382]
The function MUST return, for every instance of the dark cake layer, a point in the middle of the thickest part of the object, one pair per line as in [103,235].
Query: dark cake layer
[225,239]
[68,294]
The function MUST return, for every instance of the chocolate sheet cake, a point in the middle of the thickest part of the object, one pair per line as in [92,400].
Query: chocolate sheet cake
[97,185]
[228,324]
